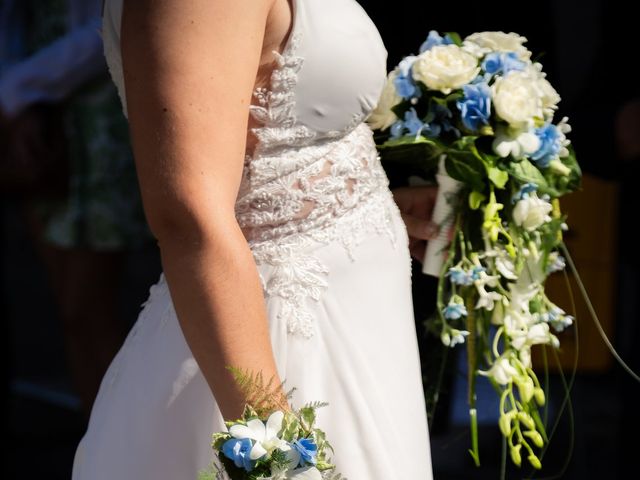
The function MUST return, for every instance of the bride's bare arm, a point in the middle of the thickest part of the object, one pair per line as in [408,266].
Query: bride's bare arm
[189,69]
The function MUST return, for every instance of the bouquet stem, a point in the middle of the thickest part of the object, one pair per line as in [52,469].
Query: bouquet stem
[471,380]
[443,216]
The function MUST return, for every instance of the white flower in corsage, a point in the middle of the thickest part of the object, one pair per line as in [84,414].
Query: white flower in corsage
[265,436]
[445,68]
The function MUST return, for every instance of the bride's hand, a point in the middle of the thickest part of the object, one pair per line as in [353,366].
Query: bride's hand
[416,206]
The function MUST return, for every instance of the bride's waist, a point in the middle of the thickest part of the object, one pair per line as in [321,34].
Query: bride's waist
[309,188]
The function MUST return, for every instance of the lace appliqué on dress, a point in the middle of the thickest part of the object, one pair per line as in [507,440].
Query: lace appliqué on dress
[302,188]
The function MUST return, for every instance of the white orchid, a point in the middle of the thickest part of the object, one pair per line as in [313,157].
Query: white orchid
[531,212]
[487,300]
[534,335]
[516,319]
[503,263]
[451,337]
[265,436]
[501,371]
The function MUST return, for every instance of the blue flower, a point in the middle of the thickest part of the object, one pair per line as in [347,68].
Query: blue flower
[440,119]
[550,144]
[475,106]
[501,63]
[404,83]
[405,86]
[238,450]
[396,129]
[307,449]
[459,276]
[525,191]
[411,123]
[454,311]
[434,39]
[476,271]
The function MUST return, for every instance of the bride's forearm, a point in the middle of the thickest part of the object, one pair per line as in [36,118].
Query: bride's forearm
[217,295]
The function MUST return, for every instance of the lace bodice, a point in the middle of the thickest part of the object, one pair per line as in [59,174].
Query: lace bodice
[314,175]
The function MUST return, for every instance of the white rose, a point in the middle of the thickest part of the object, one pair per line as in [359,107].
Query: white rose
[531,212]
[517,99]
[484,42]
[383,117]
[548,95]
[445,68]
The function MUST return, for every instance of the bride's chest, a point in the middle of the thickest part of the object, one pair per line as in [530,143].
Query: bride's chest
[329,74]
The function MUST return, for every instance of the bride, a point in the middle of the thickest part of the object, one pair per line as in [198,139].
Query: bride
[283,249]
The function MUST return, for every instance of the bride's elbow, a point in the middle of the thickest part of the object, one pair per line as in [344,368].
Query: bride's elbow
[179,225]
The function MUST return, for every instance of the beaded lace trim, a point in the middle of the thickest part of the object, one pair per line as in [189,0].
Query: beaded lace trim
[301,189]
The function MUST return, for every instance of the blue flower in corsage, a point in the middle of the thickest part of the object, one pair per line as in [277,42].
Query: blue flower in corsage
[307,449]
[434,39]
[238,450]
[501,63]
[475,106]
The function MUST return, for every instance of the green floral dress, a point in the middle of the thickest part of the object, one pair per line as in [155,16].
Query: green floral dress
[103,208]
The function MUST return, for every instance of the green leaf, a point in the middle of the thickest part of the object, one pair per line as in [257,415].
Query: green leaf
[562,184]
[524,171]
[455,37]
[497,176]
[308,415]
[475,199]
[290,427]
[412,156]
[467,168]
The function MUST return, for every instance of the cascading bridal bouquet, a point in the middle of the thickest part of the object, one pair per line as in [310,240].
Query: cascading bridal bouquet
[270,441]
[478,115]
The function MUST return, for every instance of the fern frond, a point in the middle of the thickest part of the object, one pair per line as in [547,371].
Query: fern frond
[316,405]
[263,397]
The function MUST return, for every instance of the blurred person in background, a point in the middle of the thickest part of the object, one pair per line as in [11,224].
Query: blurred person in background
[65,156]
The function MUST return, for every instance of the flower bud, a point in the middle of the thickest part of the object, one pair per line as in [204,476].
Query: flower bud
[538,394]
[534,461]
[525,389]
[535,437]
[505,422]
[558,167]
[526,420]
[516,458]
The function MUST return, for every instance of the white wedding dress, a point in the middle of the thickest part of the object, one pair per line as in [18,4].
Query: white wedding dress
[332,253]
